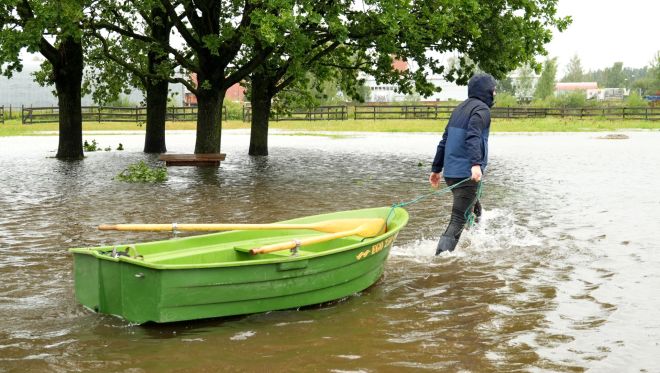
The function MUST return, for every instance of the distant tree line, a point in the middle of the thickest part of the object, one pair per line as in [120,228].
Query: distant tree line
[642,81]
[277,49]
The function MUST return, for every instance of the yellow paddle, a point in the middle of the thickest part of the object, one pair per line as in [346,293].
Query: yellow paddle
[363,230]
[367,227]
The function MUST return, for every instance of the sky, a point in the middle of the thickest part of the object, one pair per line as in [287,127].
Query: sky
[607,31]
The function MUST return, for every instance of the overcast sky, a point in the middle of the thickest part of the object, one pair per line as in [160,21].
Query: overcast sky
[607,31]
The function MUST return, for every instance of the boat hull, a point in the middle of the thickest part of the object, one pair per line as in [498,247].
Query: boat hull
[165,285]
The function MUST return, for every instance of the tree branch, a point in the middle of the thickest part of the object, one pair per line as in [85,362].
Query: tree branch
[180,26]
[233,45]
[178,57]
[246,69]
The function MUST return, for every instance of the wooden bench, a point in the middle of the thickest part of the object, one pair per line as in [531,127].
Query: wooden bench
[211,159]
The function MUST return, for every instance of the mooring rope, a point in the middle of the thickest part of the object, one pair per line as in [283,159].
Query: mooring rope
[469,214]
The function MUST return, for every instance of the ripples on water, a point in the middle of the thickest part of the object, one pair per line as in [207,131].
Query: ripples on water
[560,275]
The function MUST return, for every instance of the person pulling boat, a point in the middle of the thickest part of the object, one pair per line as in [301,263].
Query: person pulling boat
[463,153]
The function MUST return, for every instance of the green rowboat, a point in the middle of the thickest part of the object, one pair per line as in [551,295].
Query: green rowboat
[216,274]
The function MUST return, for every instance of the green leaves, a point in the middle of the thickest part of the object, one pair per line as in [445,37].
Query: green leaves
[546,85]
[141,173]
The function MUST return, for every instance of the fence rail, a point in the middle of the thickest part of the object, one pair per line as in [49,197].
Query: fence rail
[137,114]
[402,112]
[333,112]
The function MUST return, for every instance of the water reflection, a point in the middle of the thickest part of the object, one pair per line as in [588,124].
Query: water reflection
[559,276]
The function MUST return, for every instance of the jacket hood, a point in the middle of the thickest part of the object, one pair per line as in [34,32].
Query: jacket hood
[481,86]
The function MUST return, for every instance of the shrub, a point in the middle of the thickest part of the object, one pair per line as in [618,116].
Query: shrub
[572,100]
[121,101]
[141,173]
[234,110]
[91,147]
[635,100]
[505,100]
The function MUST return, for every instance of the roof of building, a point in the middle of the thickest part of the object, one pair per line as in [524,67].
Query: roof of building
[575,86]
[399,65]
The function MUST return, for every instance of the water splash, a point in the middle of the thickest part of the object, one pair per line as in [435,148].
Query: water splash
[497,230]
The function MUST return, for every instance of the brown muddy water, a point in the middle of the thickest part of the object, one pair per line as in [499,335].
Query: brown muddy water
[562,274]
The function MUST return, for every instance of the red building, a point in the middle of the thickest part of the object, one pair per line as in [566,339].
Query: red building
[234,93]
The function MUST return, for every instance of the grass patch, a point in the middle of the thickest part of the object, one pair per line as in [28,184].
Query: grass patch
[570,125]
[15,128]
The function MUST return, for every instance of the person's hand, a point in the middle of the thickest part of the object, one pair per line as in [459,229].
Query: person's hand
[434,179]
[476,173]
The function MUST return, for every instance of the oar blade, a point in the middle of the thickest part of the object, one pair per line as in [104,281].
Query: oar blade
[369,227]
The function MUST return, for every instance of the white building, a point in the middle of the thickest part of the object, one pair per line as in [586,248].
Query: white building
[388,93]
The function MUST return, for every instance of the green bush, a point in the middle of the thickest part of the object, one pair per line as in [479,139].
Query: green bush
[505,99]
[141,173]
[547,102]
[572,100]
[635,100]
[91,147]
[121,101]
[234,110]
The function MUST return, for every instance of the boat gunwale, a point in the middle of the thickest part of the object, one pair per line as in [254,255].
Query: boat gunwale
[96,251]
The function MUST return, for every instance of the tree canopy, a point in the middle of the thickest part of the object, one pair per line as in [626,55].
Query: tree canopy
[574,72]
[546,84]
[220,43]
[53,29]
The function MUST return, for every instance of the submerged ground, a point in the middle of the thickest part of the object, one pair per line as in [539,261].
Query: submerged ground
[561,275]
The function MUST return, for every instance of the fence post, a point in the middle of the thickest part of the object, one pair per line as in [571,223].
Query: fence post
[646,113]
[624,112]
[10,115]
[22,116]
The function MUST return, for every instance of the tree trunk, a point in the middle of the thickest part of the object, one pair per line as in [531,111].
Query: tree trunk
[209,120]
[156,90]
[67,73]
[260,102]
[154,141]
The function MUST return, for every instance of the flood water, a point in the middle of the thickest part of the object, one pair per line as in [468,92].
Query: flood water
[562,274]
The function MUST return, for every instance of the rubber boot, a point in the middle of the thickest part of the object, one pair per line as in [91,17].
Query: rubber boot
[446,243]
[477,211]
[449,239]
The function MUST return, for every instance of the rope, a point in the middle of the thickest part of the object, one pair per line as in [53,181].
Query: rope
[469,215]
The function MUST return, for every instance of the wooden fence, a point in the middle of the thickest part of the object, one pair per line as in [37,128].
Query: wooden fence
[332,112]
[402,112]
[443,112]
[137,114]
[2,114]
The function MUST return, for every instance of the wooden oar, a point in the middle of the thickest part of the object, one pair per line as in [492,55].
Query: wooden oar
[359,231]
[368,227]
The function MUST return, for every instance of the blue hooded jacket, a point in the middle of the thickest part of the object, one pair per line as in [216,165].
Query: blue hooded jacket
[465,140]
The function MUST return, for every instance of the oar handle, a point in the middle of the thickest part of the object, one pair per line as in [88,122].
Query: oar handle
[199,227]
